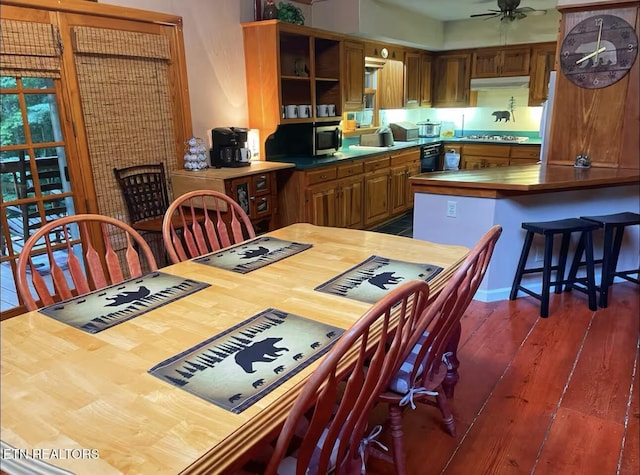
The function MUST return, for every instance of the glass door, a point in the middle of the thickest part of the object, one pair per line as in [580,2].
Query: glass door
[33,170]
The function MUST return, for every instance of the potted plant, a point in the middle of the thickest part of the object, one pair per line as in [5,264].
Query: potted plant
[290,13]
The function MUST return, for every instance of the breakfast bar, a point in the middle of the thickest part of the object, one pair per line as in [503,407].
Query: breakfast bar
[454,206]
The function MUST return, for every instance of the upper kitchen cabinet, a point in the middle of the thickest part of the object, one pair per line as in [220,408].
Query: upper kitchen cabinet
[451,79]
[411,79]
[290,65]
[353,68]
[391,85]
[543,58]
[426,63]
[501,62]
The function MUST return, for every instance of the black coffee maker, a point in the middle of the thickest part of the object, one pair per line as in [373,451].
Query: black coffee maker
[229,147]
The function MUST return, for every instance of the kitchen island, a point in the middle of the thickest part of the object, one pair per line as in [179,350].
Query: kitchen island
[457,207]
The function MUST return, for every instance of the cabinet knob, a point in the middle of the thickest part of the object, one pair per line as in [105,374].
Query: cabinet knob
[252,198]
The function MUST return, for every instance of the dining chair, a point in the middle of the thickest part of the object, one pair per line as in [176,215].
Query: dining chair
[77,265]
[426,358]
[203,221]
[327,428]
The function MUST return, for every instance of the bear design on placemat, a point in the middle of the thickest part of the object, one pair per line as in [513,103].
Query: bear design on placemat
[384,278]
[264,351]
[128,297]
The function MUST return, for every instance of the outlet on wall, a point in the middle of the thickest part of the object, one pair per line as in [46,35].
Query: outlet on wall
[452,209]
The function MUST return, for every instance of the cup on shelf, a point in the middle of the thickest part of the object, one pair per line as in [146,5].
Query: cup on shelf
[304,111]
[331,110]
[322,110]
[291,111]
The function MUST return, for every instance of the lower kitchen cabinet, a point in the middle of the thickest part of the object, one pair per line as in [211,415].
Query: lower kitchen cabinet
[474,156]
[336,203]
[376,190]
[403,166]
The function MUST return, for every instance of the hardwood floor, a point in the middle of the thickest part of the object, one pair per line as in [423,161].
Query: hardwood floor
[545,396]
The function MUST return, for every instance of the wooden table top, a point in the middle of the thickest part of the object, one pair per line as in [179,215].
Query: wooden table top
[66,389]
[520,180]
[228,173]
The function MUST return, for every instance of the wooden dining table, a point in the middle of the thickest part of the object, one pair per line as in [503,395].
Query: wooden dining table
[90,396]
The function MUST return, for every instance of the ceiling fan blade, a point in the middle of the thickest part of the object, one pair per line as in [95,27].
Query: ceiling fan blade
[485,14]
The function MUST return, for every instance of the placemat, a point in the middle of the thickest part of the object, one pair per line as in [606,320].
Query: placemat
[104,308]
[370,280]
[252,255]
[239,366]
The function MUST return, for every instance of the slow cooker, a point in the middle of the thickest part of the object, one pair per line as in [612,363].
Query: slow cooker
[428,129]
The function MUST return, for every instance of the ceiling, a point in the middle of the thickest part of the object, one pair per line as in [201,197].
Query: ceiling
[448,10]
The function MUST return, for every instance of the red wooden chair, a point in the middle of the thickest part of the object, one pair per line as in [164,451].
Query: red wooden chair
[203,221]
[81,277]
[344,388]
[439,324]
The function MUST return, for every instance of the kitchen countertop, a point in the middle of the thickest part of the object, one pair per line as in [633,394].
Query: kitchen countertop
[501,182]
[351,153]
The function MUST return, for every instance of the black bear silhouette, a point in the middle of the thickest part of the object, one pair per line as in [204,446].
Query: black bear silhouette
[235,397]
[251,253]
[279,369]
[499,115]
[128,297]
[258,382]
[263,351]
[385,278]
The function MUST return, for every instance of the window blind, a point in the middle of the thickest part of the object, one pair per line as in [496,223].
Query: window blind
[29,49]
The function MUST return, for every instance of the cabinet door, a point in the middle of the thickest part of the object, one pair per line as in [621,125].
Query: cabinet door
[390,85]
[425,79]
[414,169]
[350,206]
[411,79]
[398,188]
[472,162]
[353,75]
[543,59]
[515,62]
[486,63]
[376,192]
[322,204]
[451,80]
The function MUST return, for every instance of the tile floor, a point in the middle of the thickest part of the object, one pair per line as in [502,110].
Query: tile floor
[401,226]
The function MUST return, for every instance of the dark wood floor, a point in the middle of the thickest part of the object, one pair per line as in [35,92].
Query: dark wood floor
[545,396]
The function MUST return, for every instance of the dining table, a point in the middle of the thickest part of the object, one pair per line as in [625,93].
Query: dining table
[87,403]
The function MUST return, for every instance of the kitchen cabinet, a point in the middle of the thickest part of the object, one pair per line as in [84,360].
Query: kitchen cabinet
[474,156]
[376,190]
[524,154]
[501,62]
[451,79]
[353,67]
[390,85]
[403,166]
[412,68]
[426,62]
[543,58]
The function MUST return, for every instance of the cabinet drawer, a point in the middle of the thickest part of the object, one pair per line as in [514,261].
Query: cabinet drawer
[261,183]
[525,151]
[350,169]
[376,164]
[487,150]
[321,175]
[447,147]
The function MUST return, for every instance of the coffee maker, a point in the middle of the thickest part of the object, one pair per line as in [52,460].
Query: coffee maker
[229,147]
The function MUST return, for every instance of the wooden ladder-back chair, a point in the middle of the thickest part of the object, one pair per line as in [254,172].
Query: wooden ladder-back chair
[81,277]
[203,221]
[343,390]
[439,324]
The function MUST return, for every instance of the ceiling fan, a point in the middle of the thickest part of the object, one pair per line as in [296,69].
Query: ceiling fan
[510,10]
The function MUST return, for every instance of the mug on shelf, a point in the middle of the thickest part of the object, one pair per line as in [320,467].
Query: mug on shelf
[291,111]
[304,111]
[331,110]
[322,110]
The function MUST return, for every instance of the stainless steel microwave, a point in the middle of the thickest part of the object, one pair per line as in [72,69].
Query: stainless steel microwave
[308,139]
[327,138]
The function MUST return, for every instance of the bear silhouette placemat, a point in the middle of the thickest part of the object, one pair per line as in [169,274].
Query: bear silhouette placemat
[253,254]
[241,365]
[370,280]
[104,308]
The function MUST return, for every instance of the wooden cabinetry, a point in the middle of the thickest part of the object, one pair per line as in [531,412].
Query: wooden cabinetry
[473,156]
[451,80]
[376,190]
[337,199]
[501,62]
[426,62]
[524,154]
[543,58]
[403,166]
[390,85]
[412,68]
[353,67]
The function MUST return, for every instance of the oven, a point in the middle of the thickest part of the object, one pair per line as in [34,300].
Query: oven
[430,157]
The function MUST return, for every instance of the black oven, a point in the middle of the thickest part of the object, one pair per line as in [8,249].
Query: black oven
[430,157]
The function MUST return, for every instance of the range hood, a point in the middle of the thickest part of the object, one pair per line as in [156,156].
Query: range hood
[486,84]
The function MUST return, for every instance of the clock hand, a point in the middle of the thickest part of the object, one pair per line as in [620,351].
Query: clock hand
[598,43]
[591,55]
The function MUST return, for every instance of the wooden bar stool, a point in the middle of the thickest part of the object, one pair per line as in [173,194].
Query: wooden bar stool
[614,225]
[549,229]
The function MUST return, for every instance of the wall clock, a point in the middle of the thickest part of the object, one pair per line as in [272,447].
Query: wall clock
[598,51]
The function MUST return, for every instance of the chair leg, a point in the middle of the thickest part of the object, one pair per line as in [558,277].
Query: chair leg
[447,416]
[575,264]
[546,276]
[451,378]
[562,262]
[395,423]
[609,261]
[521,263]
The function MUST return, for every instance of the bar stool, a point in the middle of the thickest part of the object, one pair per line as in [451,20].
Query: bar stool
[614,225]
[549,229]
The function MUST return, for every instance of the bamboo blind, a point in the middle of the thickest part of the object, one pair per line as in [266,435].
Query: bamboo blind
[126,104]
[29,49]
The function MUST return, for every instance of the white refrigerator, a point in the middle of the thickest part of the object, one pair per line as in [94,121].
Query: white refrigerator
[545,121]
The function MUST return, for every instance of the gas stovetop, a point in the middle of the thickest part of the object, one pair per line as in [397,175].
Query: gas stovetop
[496,138]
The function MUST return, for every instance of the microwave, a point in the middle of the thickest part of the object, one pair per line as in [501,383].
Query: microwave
[308,139]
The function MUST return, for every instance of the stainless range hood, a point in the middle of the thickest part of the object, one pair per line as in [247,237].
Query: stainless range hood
[487,84]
